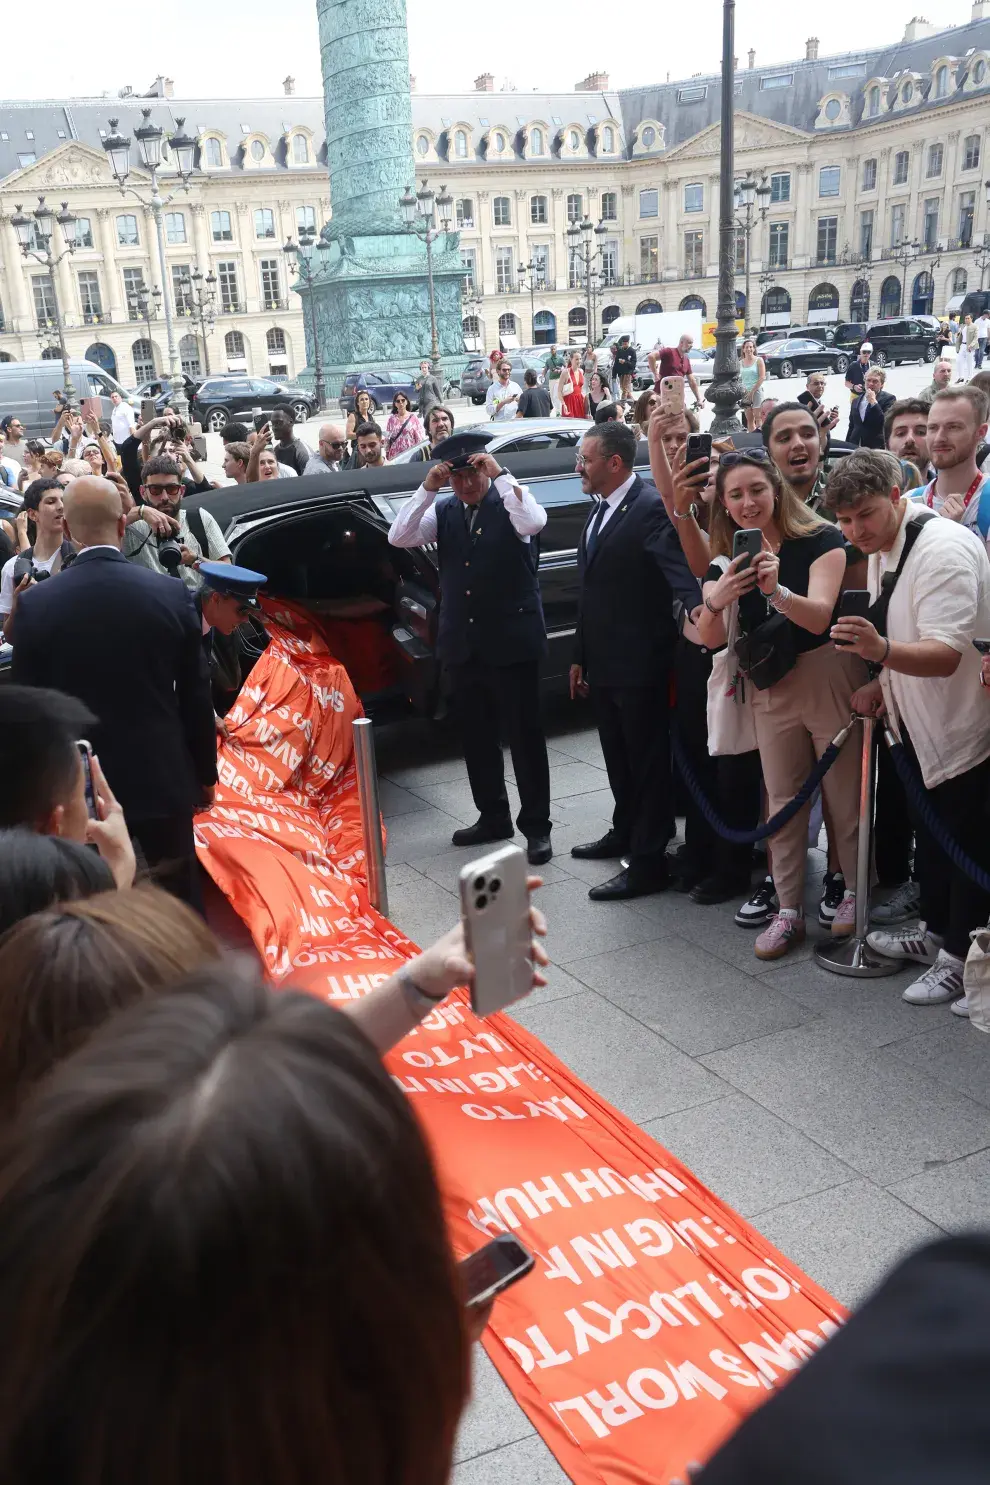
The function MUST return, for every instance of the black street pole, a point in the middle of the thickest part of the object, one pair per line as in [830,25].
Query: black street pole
[726,389]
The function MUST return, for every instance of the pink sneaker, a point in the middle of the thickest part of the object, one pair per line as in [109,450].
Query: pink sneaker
[844,922]
[784,932]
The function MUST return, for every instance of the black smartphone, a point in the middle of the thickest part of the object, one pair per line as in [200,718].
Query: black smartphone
[748,542]
[854,603]
[983,645]
[89,789]
[494,1267]
[699,446]
[813,403]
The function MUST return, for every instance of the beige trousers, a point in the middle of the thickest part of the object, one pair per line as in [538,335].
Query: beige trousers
[795,722]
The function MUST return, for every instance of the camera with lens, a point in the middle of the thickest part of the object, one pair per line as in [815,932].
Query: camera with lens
[24,567]
[170,555]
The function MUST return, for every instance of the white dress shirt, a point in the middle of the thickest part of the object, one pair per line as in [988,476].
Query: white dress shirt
[613,501]
[497,400]
[122,422]
[416,523]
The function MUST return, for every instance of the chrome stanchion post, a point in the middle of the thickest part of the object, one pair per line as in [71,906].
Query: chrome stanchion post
[853,956]
[371,813]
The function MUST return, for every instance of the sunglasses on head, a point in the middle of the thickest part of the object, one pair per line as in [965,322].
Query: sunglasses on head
[744,456]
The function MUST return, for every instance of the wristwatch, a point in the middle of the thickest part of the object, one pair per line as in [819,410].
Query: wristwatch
[417,999]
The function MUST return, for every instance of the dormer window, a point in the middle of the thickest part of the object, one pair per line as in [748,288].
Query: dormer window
[257,150]
[832,110]
[873,103]
[213,153]
[536,141]
[649,137]
[608,139]
[422,144]
[498,142]
[979,73]
[460,144]
[941,88]
[300,149]
[574,140]
[907,92]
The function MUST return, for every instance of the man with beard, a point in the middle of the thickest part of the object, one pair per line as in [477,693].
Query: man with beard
[906,433]
[941,377]
[198,535]
[796,443]
[439,425]
[957,425]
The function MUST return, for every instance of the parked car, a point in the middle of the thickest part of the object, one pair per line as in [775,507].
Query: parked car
[974,304]
[161,386]
[903,340]
[381,387]
[476,376]
[850,335]
[220,399]
[517,436]
[794,356]
[763,336]
[28,390]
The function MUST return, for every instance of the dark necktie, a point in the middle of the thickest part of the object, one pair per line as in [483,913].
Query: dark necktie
[470,516]
[594,528]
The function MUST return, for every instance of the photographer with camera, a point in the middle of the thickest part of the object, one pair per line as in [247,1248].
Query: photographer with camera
[50,552]
[162,535]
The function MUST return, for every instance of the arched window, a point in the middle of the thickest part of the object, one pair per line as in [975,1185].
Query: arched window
[544,327]
[922,293]
[907,92]
[694,301]
[776,307]
[575,208]
[257,149]
[538,210]
[890,298]
[941,82]
[958,281]
[873,105]
[740,305]
[275,340]
[52,353]
[577,317]
[649,137]
[979,73]
[143,355]
[471,326]
[233,344]
[859,300]
[422,144]
[507,324]
[609,313]
[832,110]
[212,152]
[300,149]
[649,307]
[460,144]
[189,356]
[608,139]
[574,139]
[536,142]
[6,356]
[101,353]
[823,299]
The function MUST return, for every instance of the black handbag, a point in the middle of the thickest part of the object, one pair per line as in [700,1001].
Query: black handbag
[767,653]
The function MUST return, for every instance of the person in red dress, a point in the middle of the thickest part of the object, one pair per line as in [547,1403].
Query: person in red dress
[572,388]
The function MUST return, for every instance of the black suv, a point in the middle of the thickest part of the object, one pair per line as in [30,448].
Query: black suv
[220,399]
[902,340]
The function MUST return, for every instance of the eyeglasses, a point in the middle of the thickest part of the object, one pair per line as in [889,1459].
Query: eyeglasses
[333,443]
[174,488]
[744,456]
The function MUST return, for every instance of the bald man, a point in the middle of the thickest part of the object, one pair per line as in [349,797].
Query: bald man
[332,452]
[128,643]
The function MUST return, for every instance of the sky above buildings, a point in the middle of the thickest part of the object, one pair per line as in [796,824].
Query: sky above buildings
[245,51]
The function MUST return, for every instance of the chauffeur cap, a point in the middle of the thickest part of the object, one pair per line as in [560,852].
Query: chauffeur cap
[233,582]
[456,450]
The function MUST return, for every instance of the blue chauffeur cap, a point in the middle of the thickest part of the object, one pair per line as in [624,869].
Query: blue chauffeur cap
[232,582]
[458,448]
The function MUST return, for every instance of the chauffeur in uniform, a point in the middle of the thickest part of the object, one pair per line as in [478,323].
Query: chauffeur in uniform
[491,632]
[233,635]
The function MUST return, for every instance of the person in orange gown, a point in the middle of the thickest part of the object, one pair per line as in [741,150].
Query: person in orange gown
[572,388]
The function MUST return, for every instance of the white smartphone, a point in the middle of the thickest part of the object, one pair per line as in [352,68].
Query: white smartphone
[672,393]
[495,910]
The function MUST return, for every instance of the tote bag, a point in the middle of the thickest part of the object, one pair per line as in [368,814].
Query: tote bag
[731,729]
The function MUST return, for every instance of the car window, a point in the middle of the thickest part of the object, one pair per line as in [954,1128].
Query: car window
[98,385]
[264,388]
[530,443]
[565,490]
[568,439]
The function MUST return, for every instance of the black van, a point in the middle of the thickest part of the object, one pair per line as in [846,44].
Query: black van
[974,304]
[894,341]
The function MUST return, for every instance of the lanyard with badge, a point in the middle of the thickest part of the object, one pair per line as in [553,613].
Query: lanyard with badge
[930,494]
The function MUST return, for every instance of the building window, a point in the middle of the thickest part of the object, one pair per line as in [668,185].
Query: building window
[779,234]
[182,296]
[873,103]
[828,231]
[574,140]
[649,203]
[143,356]
[471,326]
[649,260]
[84,232]
[575,268]
[979,73]
[257,150]
[776,80]
[780,187]
[608,139]
[175,228]
[134,290]
[464,213]
[967,210]
[506,324]
[694,249]
[959,281]
[869,175]
[941,82]
[897,216]
[832,110]
[692,95]
[649,135]
[739,251]
[694,198]
[44,299]
[264,222]
[468,264]
[538,210]
[934,167]
[575,208]
[540,259]
[89,294]
[233,344]
[276,343]
[127,230]
[907,92]
[300,149]
[536,141]
[220,226]
[859,300]
[26,158]
[610,263]
[501,212]
[829,180]
[229,298]
[271,293]
[305,219]
[422,144]
[901,168]
[503,271]
[460,144]
[189,356]
[212,153]
[971,155]
[610,206]
[929,235]
[865,234]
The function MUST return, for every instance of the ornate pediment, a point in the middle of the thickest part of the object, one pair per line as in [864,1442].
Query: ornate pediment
[72,164]
[751,133]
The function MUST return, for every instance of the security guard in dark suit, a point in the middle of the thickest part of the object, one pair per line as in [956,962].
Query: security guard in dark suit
[491,631]
[233,635]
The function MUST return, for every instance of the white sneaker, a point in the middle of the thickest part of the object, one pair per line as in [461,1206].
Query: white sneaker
[960,1007]
[941,982]
[901,906]
[914,943]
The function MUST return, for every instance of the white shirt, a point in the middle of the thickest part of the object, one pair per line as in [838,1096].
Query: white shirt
[416,523]
[122,422]
[969,518]
[141,546]
[497,404]
[982,327]
[944,594]
[7,580]
[613,501]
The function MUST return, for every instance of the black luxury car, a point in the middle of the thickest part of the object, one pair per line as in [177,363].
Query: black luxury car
[798,357]
[220,399]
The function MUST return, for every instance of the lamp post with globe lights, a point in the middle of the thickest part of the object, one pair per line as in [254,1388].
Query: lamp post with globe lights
[35,235]
[150,140]
[748,193]
[726,388]
[300,256]
[588,260]
[202,306]
[429,216]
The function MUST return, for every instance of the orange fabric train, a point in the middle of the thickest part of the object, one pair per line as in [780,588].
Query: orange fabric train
[656,1317]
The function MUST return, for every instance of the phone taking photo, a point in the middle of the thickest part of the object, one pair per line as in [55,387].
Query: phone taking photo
[699,446]
[748,543]
[983,645]
[854,603]
[497,931]
[489,1270]
[89,788]
[672,394]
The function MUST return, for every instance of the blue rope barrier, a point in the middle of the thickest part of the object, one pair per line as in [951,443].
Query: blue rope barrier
[916,789]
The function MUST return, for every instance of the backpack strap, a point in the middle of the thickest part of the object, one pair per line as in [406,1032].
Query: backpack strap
[878,610]
[983,511]
[196,524]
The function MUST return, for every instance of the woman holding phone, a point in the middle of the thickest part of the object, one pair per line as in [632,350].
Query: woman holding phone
[795,577]
[752,374]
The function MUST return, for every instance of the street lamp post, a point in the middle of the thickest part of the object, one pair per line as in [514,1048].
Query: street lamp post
[150,139]
[429,216]
[905,253]
[748,192]
[34,236]
[522,270]
[579,242]
[982,254]
[726,389]
[145,306]
[301,263]
[202,306]
[767,281]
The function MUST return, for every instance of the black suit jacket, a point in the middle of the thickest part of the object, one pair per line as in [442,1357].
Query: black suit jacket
[626,631]
[867,433]
[128,643]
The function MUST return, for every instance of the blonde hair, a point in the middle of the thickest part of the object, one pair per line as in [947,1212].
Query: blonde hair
[791,516]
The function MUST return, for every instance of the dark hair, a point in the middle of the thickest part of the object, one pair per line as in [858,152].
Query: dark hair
[223,1255]
[861,476]
[37,870]
[641,412]
[774,414]
[37,489]
[529,377]
[234,432]
[608,412]
[615,439]
[6,421]
[282,415]
[437,408]
[405,398]
[907,406]
[161,464]
[39,761]
[981,381]
[364,430]
[35,446]
[65,969]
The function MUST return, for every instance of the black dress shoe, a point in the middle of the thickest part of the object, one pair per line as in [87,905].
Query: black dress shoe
[627,885]
[609,847]
[482,832]
[538,849]
[719,889]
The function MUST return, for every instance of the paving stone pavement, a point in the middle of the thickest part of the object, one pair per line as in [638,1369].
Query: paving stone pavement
[843,1123]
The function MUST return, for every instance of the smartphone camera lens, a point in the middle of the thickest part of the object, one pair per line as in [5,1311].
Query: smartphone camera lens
[479,884]
[494,885]
[481,901]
